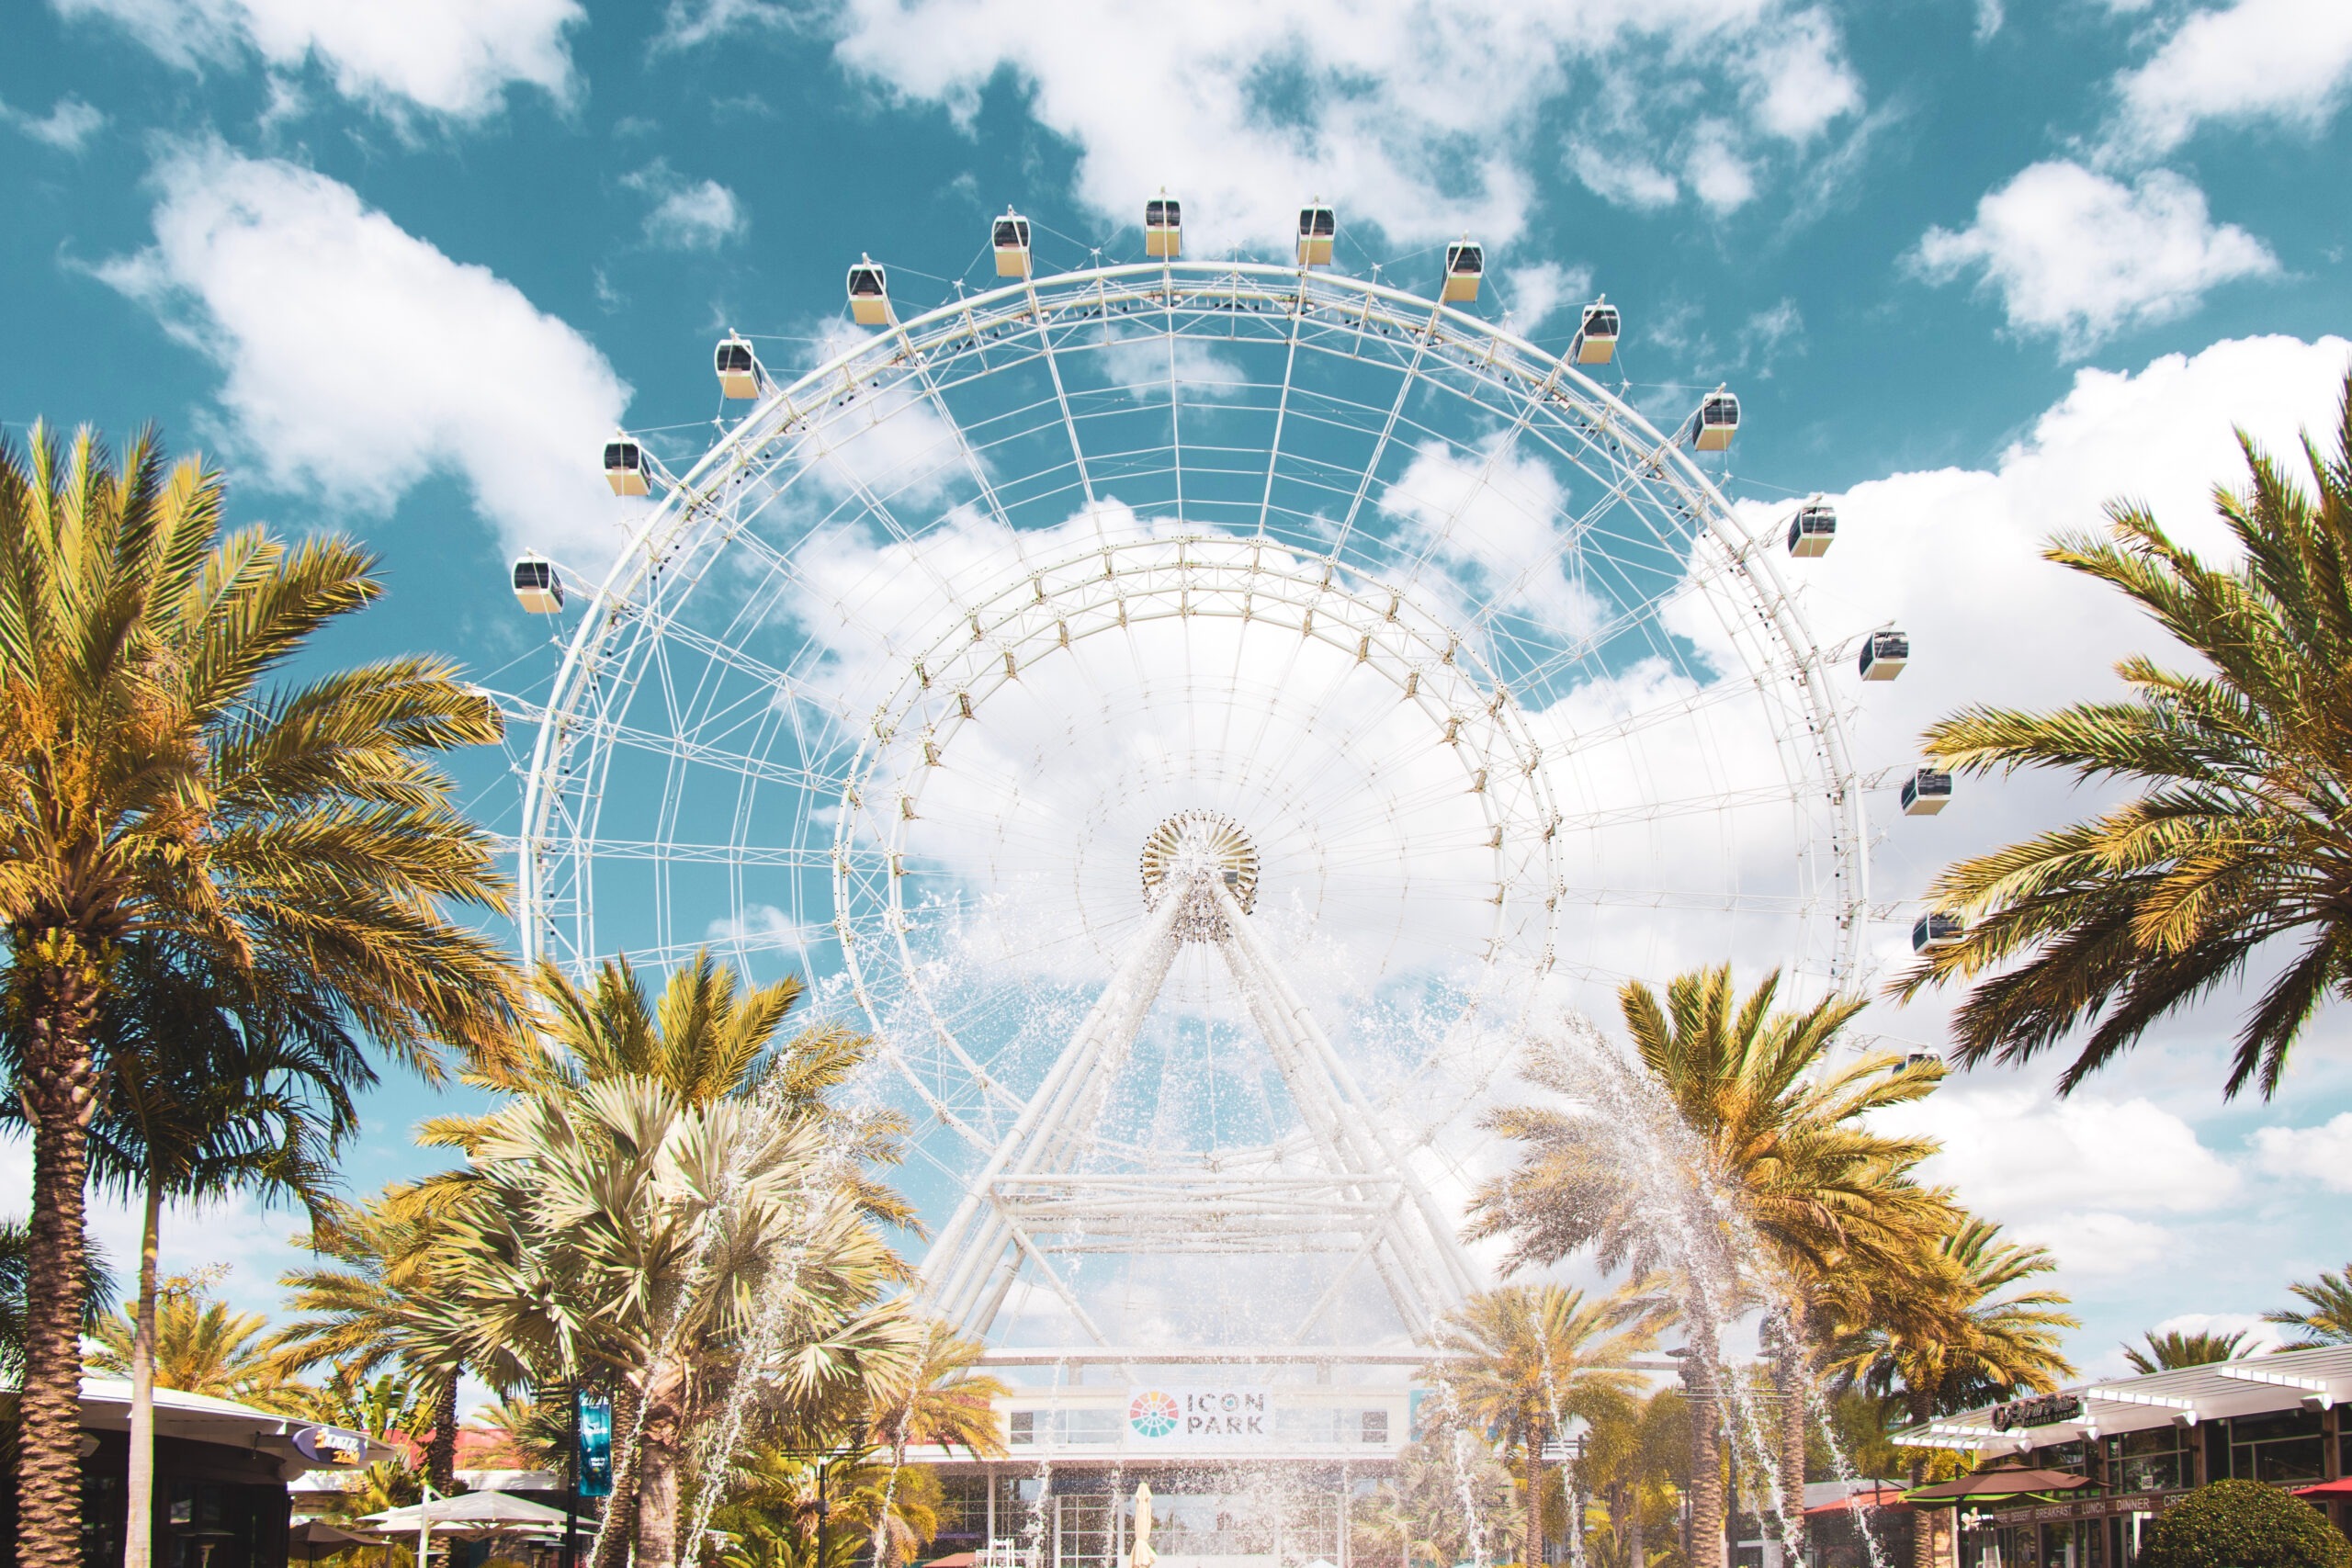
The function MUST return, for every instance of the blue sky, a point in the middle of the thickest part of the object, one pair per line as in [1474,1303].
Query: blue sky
[1971,270]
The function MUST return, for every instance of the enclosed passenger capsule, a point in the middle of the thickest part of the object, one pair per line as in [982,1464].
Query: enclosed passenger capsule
[1925,793]
[1936,931]
[537,586]
[1316,227]
[1717,421]
[1163,228]
[1811,529]
[1883,655]
[1597,337]
[1465,262]
[1009,235]
[625,467]
[738,366]
[869,293]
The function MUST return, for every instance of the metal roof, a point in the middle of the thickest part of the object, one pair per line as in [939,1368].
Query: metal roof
[2249,1386]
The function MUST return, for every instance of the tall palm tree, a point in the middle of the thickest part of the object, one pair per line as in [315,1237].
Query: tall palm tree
[937,1401]
[1782,1159]
[2172,1350]
[2326,1315]
[152,784]
[1953,1330]
[212,1081]
[1522,1361]
[203,1347]
[2240,837]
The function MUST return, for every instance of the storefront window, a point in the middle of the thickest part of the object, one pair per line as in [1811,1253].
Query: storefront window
[2154,1461]
[2278,1448]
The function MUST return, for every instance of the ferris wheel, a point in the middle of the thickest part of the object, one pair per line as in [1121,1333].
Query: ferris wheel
[1191,710]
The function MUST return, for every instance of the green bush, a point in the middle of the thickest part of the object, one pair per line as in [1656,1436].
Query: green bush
[2245,1524]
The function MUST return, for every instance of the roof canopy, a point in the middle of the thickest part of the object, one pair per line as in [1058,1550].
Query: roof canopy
[2249,1386]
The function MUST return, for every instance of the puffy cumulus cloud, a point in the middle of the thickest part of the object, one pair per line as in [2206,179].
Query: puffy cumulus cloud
[68,126]
[1421,121]
[687,215]
[1534,292]
[1492,517]
[2020,1155]
[2261,1336]
[2289,62]
[2098,1245]
[2320,1154]
[2078,257]
[454,57]
[357,359]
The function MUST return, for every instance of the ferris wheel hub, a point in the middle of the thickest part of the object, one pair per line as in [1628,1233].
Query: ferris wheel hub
[1193,850]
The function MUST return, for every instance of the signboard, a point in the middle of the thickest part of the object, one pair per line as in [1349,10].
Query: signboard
[324,1444]
[2042,1410]
[1227,1417]
[594,1459]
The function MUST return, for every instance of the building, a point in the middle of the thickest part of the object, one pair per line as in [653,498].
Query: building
[2072,1479]
[222,1470]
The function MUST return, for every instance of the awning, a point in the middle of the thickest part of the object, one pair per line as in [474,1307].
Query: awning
[2326,1489]
[1882,1498]
[1997,1483]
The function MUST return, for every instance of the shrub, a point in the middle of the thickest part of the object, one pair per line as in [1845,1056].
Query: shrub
[2245,1524]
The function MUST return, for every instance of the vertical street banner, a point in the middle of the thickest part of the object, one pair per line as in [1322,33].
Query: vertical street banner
[595,1459]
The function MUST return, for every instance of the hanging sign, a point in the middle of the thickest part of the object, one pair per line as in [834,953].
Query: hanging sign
[1230,1416]
[595,1459]
[325,1445]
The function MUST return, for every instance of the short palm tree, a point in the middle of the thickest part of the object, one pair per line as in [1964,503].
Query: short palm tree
[201,1347]
[2325,1317]
[153,784]
[1783,1161]
[1522,1361]
[937,1401]
[1951,1331]
[2238,842]
[2173,1350]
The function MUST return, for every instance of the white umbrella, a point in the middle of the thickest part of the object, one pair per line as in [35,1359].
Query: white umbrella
[468,1513]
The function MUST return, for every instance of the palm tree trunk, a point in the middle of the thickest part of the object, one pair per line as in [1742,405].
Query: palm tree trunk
[1637,1553]
[60,1087]
[1923,1537]
[1794,1374]
[1534,1554]
[441,1453]
[139,1482]
[619,1521]
[657,1493]
[1706,1480]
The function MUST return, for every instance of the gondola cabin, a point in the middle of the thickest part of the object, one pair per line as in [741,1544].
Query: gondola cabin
[1163,228]
[1925,793]
[1716,422]
[1009,235]
[537,588]
[1811,529]
[624,467]
[1465,262]
[1317,228]
[1883,655]
[1933,932]
[738,366]
[1597,337]
[869,294]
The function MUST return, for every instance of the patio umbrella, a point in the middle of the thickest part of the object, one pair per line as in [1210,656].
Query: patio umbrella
[468,1513]
[1996,1484]
[317,1533]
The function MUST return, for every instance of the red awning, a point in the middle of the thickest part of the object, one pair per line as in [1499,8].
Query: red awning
[1884,1497]
[2326,1489]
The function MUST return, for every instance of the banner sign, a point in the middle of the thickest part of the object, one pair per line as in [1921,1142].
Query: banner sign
[1226,1416]
[325,1445]
[595,1456]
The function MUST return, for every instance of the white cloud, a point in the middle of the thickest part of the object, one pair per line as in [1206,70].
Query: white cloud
[686,216]
[1718,176]
[2018,1155]
[358,360]
[2320,1154]
[1534,292]
[2286,61]
[2079,256]
[2098,1245]
[2261,1336]
[68,126]
[1421,121]
[447,57]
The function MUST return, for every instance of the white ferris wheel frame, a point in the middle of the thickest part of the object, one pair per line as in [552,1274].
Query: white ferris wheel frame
[585,710]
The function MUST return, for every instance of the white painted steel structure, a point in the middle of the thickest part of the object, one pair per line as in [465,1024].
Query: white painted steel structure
[892,686]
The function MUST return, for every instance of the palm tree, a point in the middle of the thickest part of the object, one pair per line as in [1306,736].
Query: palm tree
[1953,1331]
[212,1082]
[388,1298]
[1522,1361]
[16,1284]
[2172,1350]
[155,787]
[2241,836]
[201,1347]
[938,1402]
[2326,1316]
[1781,1159]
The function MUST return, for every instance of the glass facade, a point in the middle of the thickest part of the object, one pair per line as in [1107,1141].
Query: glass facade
[2158,1459]
[2284,1448]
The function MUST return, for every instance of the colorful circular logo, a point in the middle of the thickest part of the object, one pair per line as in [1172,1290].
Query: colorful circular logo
[1152,1414]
